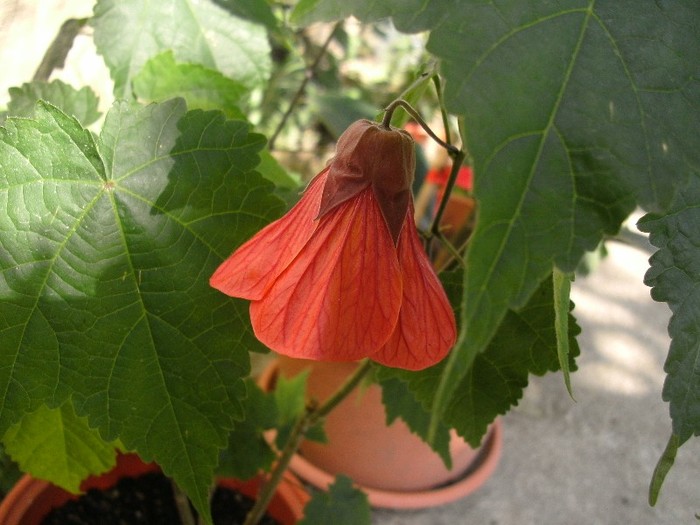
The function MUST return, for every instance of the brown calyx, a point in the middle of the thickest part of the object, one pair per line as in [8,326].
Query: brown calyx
[368,154]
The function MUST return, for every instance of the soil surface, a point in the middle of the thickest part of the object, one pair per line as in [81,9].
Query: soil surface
[145,500]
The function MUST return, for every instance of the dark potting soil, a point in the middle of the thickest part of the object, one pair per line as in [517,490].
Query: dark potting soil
[146,500]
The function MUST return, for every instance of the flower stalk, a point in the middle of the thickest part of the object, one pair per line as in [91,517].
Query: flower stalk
[313,415]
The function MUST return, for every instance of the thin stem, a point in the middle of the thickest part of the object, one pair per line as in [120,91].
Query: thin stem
[389,113]
[452,179]
[182,504]
[443,111]
[422,78]
[343,391]
[454,253]
[267,491]
[312,415]
[308,75]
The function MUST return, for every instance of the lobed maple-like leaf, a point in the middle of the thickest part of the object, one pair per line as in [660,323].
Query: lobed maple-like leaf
[674,277]
[575,113]
[108,245]
[129,32]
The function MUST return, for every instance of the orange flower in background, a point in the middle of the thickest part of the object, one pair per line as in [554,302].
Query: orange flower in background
[343,275]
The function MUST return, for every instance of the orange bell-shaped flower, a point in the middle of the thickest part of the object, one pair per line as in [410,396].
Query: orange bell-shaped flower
[343,275]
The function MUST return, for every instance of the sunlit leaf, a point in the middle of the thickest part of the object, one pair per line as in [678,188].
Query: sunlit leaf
[80,103]
[108,246]
[162,78]
[129,32]
[56,444]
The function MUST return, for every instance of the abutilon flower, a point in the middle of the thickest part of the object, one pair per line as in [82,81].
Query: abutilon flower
[343,275]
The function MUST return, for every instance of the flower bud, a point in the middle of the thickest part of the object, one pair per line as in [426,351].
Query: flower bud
[369,154]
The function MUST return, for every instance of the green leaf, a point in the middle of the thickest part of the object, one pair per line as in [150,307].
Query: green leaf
[575,112]
[343,504]
[58,445]
[337,112]
[82,103]
[257,11]
[107,251]
[162,78]
[248,451]
[409,15]
[562,292]
[525,343]
[663,467]
[674,277]
[275,173]
[400,402]
[290,399]
[129,32]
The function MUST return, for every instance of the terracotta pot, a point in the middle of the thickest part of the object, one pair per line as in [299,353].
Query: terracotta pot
[31,499]
[395,467]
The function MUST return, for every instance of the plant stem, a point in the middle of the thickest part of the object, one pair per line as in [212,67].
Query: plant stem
[399,102]
[443,111]
[308,74]
[312,415]
[451,180]
[182,504]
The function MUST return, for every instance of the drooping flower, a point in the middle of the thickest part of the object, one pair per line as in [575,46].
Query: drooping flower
[343,275]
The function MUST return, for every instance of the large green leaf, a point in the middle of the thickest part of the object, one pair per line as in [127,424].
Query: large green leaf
[258,11]
[408,15]
[108,246]
[129,32]
[575,113]
[525,343]
[675,278]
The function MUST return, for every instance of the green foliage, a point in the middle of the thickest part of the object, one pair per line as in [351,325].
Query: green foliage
[568,117]
[248,451]
[572,113]
[525,343]
[108,247]
[79,103]
[674,277]
[162,78]
[290,399]
[58,445]
[343,504]
[129,32]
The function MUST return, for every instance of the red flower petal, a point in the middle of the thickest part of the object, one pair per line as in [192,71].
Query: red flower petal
[426,330]
[340,298]
[256,264]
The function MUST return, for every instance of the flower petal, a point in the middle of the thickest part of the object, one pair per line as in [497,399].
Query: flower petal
[426,330]
[252,268]
[340,298]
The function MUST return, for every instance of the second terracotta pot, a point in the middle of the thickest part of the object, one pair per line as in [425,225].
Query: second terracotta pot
[394,466]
